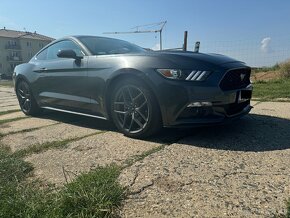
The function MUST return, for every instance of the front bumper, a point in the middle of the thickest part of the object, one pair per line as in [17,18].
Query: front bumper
[189,105]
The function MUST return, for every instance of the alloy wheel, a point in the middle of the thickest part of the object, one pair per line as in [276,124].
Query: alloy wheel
[131,108]
[24,96]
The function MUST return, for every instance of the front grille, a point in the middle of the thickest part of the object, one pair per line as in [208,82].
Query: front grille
[236,79]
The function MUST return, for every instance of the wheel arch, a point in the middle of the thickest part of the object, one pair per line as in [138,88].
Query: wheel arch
[20,78]
[121,75]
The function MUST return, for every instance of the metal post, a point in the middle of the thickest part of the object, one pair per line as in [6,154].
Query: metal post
[160,39]
[185,41]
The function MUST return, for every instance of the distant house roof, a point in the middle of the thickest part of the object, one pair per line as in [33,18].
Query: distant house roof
[21,34]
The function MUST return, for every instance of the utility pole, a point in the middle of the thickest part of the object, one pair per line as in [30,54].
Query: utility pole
[161,24]
[185,41]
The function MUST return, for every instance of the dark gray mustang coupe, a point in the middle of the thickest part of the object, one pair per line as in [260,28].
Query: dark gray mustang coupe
[139,90]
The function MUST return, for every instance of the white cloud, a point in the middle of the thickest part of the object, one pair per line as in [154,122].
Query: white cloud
[156,47]
[266,45]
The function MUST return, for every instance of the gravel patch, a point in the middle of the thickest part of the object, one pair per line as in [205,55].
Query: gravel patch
[85,154]
[24,124]
[50,133]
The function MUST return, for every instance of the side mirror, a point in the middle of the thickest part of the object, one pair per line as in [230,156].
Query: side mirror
[68,54]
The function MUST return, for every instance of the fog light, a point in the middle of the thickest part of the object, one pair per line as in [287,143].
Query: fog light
[200,104]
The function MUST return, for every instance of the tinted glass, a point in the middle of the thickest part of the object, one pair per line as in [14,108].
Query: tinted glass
[42,55]
[51,51]
[105,46]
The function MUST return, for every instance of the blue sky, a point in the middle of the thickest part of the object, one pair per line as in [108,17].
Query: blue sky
[235,28]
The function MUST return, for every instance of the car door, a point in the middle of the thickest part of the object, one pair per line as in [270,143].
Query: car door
[62,82]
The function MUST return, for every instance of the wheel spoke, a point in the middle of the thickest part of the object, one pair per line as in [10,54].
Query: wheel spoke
[130,94]
[136,97]
[120,112]
[142,105]
[131,124]
[142,115]
[26,104]
[21,93]
[27,95]
[138,122]
[125,119]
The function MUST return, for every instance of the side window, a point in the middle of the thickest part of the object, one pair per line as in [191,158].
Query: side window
[51,51]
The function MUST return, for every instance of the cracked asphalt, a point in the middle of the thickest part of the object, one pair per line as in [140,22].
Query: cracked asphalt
[237,170]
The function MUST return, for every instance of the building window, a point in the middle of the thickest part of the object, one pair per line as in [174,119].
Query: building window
[11,42]
[14,54]
[0,65]
[28,44]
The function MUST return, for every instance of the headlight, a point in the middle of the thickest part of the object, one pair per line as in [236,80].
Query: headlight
[171,73]
[195,75]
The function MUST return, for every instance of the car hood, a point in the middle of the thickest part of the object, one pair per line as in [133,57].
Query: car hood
[216,59]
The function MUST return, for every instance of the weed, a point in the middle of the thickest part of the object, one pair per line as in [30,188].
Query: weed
[38,148]
[129,162]
[94,194]
[11,120]
[8,112]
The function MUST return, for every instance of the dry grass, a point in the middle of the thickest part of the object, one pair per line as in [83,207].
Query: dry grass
[285,69]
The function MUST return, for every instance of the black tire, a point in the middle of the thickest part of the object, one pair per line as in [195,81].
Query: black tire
[26,100]
[134,109]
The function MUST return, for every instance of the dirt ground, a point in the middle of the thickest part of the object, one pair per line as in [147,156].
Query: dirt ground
[237,170]
[266,76]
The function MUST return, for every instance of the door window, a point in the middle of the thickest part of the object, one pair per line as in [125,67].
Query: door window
[51,52]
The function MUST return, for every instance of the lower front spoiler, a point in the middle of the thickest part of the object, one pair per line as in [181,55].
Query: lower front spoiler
[217,119]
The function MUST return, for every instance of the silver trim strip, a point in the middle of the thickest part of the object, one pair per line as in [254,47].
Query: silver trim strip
[196,75]
[190,75]
[72,112]
[201,75]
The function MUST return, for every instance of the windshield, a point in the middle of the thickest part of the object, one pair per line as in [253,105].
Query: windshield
[105,46]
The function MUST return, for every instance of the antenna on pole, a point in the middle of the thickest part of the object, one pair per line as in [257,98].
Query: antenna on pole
[161,24]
